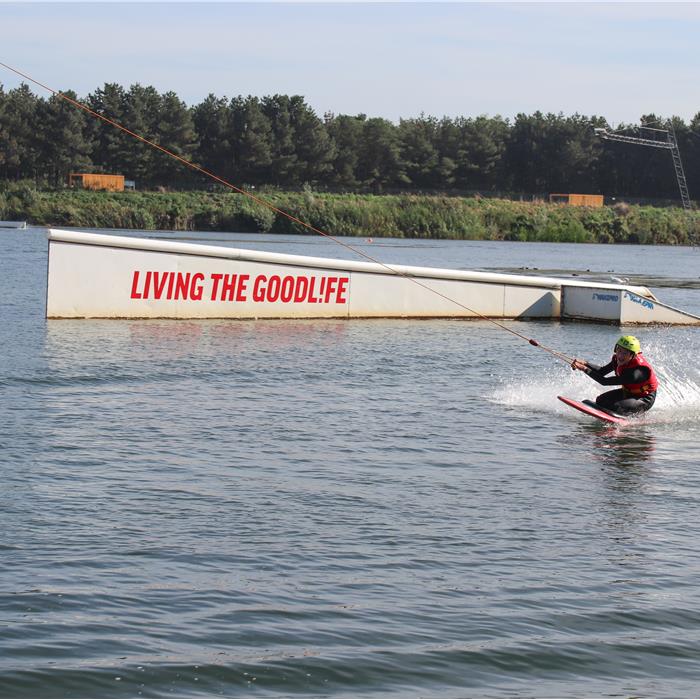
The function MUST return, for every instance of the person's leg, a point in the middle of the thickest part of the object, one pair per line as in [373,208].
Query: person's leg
[619,402]
[629,406]
[610,398]
[637,405]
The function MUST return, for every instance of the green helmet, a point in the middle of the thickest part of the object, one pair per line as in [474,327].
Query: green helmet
[629,342]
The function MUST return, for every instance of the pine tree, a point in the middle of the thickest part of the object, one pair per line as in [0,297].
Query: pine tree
[111,153]
[212,122]
[63,142]
[380,163]
[141,107]
[252,142]
[346,133]
[175,129]
[419,151]
[284,169]
[313,146]
[19,148]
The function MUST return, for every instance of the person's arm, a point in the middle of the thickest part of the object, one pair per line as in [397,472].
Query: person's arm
[593,370]
[598,373]
[598,369]
[633,375]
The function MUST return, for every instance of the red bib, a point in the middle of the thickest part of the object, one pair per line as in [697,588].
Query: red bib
[643,388]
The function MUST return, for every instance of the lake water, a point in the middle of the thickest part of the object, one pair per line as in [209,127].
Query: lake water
[345,508]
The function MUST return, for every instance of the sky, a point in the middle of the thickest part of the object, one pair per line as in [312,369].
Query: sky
[393,60]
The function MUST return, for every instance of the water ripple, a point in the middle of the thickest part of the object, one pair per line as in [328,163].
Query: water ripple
[322,508]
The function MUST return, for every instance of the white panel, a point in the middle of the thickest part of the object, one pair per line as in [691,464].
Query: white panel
[528,302]
[96,239]
[99,282]
[636,309]
[596,303]
[98,276]
[389,295]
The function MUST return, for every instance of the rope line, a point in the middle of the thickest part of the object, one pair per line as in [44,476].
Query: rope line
[291,217]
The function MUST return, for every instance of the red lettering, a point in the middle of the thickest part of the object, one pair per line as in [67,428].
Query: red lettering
[330,288]
[134,285]
[171,282]
[159,280]
[340,297]
[197,288]
[242,287]
[215,276]
[273,288]
[259,288]
[300,289]
[312,296]
[228,286]
[183,282]
[287,289]
[160,285]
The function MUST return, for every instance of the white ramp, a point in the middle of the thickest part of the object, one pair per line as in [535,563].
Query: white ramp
[624,305]
[101,276]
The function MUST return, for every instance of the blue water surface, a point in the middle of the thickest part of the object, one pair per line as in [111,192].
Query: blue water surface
[344,508]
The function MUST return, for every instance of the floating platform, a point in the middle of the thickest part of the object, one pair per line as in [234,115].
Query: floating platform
[13,224]
[94,275]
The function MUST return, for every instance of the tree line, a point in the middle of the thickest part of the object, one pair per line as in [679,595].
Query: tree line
[280,141]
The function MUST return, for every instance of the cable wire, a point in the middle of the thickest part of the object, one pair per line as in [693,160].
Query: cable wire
[281,212]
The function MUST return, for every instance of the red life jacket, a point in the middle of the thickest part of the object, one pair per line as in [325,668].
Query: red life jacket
[642,388]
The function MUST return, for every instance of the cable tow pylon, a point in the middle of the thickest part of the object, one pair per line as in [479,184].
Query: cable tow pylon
[667,142]
[79,105]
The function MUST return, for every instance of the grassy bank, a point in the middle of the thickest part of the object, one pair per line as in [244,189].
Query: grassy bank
[405,216]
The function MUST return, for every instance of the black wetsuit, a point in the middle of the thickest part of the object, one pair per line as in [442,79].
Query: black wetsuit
[620,400]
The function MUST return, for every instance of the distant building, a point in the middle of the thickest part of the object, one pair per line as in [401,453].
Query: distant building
[577,200]
[97,181]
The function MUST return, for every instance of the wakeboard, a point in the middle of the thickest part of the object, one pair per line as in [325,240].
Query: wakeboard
[592,409]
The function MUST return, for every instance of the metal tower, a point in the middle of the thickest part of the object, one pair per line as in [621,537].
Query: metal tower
[669,143]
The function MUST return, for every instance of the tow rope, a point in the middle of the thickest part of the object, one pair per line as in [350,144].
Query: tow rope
[291,217]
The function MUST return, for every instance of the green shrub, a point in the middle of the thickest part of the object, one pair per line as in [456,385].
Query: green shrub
[408,216]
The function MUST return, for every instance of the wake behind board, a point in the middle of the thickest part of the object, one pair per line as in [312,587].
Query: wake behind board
[590,410]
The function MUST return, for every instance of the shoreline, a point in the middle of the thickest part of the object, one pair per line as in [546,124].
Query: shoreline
[377,216]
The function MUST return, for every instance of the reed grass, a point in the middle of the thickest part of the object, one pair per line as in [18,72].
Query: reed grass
[401,216]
